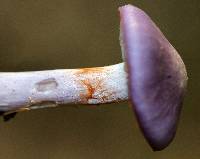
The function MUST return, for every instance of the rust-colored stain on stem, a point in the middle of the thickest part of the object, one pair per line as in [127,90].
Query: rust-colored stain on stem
[90,89]
[92,81]
[94,84]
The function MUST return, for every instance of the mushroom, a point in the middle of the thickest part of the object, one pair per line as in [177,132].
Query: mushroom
[153,78]
[157,76]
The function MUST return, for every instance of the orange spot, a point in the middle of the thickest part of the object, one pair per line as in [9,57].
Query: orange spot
[92,86]
[90,89]
[91,79]
[90,70]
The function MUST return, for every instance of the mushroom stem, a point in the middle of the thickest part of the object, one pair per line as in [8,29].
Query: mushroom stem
[39,89]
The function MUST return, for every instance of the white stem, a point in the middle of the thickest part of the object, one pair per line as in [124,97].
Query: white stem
[39,89]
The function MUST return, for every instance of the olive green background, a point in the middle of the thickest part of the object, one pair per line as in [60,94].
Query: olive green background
[50,34]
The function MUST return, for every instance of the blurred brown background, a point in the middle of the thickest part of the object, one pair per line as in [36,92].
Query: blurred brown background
[49,34]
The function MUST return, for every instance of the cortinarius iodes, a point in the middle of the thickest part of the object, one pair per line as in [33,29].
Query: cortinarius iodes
[153,78]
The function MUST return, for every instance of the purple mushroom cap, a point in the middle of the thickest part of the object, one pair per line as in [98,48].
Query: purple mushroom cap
[157,76]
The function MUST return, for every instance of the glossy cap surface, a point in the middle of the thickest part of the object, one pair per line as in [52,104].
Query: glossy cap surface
[157,76]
